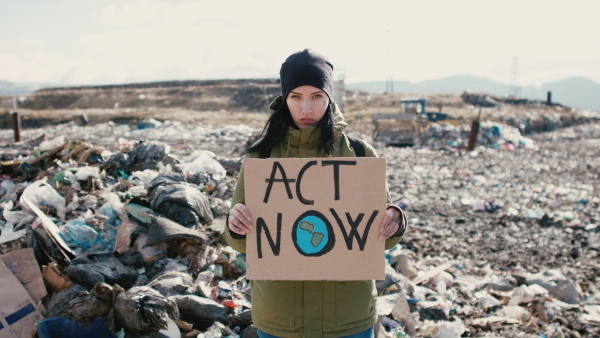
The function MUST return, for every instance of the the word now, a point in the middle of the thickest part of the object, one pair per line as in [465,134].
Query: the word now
[349,236]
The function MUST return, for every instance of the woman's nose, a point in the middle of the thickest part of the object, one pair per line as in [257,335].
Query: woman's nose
[306,106]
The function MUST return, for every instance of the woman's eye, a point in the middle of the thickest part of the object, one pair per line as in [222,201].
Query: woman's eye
[317,96]
[295,97]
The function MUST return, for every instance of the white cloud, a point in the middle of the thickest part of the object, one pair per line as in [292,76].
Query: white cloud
[131,14]
[33,67]
[26,42]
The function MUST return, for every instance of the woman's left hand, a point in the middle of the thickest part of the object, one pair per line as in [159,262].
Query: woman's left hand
[390,224]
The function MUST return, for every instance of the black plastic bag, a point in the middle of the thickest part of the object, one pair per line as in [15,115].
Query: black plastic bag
[98,265]
[147,155]
[142,310]
[164,178]
[183,204]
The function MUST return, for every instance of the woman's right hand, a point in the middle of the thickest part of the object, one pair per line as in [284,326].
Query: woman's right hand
[239,220]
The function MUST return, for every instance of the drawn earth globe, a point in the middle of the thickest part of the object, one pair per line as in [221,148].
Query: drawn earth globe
[313,234]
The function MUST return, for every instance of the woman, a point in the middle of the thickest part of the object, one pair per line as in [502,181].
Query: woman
[304,123]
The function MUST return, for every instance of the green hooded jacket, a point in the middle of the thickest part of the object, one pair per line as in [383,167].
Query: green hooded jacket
[310,308]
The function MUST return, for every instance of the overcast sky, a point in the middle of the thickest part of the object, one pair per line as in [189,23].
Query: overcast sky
[119,41]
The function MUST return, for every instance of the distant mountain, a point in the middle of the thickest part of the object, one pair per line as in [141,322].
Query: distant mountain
[12,88]
[577,92]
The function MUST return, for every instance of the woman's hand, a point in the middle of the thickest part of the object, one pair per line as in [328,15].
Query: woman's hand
[390,224]
[239,220]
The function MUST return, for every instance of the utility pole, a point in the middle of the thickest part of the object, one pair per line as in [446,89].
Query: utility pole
[16,121]
[389,82]
[474,132]
[515,87]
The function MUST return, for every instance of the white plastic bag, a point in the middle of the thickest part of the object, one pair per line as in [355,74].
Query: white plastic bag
[49,145]
[84,173]
[41,193]
[204,162]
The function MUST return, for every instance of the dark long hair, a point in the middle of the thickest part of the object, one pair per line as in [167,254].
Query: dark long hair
[277,126]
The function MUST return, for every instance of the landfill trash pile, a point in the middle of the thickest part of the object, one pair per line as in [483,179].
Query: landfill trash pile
[491,134]
[227,141]
[500,243]
[514,236]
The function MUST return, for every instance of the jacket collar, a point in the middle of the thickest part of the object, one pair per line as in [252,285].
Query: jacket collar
[303,138]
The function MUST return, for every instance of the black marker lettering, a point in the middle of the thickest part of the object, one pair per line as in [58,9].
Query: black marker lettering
[275,246]
[354,228]
[336,173]
[272,179]
[300,174]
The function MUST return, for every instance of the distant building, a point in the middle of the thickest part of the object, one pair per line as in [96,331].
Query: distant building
[339,91]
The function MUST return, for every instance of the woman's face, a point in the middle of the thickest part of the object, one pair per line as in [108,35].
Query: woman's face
[307,105]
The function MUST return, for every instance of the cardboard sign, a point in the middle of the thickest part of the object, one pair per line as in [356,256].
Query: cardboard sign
[24,266]
[18,312]
[315,218]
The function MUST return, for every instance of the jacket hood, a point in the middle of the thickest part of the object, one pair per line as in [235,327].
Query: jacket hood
[338,117]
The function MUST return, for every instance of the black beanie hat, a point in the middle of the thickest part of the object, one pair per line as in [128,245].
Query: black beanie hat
[306,68]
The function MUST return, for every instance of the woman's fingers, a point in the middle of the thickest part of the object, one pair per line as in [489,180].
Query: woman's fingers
[240,220]
[238,226]
[390,224]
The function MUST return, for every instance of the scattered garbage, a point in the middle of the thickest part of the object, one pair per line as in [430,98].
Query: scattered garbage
[491,135]
[501,242]
[152,311]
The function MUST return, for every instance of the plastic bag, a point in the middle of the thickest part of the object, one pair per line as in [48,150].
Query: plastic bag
[89,201]
[148,154]
[88,305]
[170,283]
[115,202]
[152,310]
[183,204]
[204,162]
[18,218]
[139,212]
[6,186]
[150,253]
[201,310]
[107,210]
[66,177]
[49,145]
[84,173]
[99,265]
[168,177]
[443,329]
[108,237]
[78,234]
[143,177]
[59,300]
[123,238]
[42,194]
